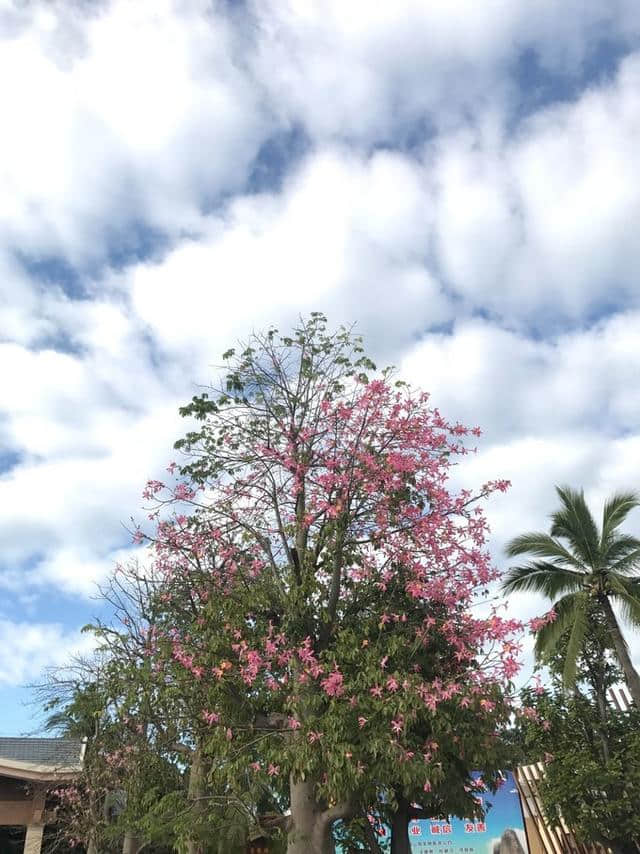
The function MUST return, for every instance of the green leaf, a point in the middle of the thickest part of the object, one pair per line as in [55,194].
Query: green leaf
[547,636]
[575,523]
[543,577]
[616,510]
[576,638]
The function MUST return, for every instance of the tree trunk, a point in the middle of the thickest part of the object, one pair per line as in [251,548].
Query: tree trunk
[131,844]
[304,813]
[400,828]
[630,673]
[310,830]
[195,791]
[601,701]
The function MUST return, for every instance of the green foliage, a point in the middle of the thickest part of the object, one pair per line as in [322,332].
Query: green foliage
[590,749]
[78,717]
[257,376]
[592,768]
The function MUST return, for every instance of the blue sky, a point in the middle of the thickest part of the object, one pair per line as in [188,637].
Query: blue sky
[458,177]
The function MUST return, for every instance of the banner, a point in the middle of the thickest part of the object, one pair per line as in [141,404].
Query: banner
[501,831]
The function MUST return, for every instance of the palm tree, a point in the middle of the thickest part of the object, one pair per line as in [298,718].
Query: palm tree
[578,567]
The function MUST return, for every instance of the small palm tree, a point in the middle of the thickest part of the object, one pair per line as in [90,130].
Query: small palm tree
[578,567]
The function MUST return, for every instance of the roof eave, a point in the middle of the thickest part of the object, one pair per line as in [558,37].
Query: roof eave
[37,772]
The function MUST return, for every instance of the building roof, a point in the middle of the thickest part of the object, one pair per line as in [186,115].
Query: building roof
[40,758]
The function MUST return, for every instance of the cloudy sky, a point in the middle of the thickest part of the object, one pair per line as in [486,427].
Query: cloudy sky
[460,177]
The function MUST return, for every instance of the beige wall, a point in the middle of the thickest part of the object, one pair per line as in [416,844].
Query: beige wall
[18,803]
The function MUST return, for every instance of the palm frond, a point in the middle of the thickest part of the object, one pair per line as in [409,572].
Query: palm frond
[58,721]
[576,640]
[548,635]
[575,523]
[625,564]
[618,546]
[543,577]
[633,585]
[627,596]
[616,510]
[542,545]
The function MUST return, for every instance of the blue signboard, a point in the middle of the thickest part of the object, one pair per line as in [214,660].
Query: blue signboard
[501,831]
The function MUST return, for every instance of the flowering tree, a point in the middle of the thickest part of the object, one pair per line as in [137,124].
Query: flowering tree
[126,767]
[324,571]
[153,756]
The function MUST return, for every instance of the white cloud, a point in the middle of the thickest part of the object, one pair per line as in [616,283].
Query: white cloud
[516,226]
[541,226]
[26,649]
[69,513]
[347,235]
[514,385]
[368,71]
[89,427]
[136,114]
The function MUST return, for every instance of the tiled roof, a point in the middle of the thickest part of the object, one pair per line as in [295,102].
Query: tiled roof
[56,752]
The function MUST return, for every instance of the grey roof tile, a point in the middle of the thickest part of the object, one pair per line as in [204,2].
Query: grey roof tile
[57,752]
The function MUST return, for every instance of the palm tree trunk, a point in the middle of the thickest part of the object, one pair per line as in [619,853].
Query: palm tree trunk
[597,681]
[619,644]
[602,712]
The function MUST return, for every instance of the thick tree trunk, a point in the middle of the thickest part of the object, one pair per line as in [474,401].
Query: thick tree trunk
[310,829]
[304,815]
[131,844]
[400,828]
[630,673]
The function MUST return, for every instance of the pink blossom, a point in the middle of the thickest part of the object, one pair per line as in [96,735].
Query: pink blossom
[397,725]
[333,684]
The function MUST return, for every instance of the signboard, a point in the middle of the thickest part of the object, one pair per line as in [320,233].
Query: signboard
[501,831]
